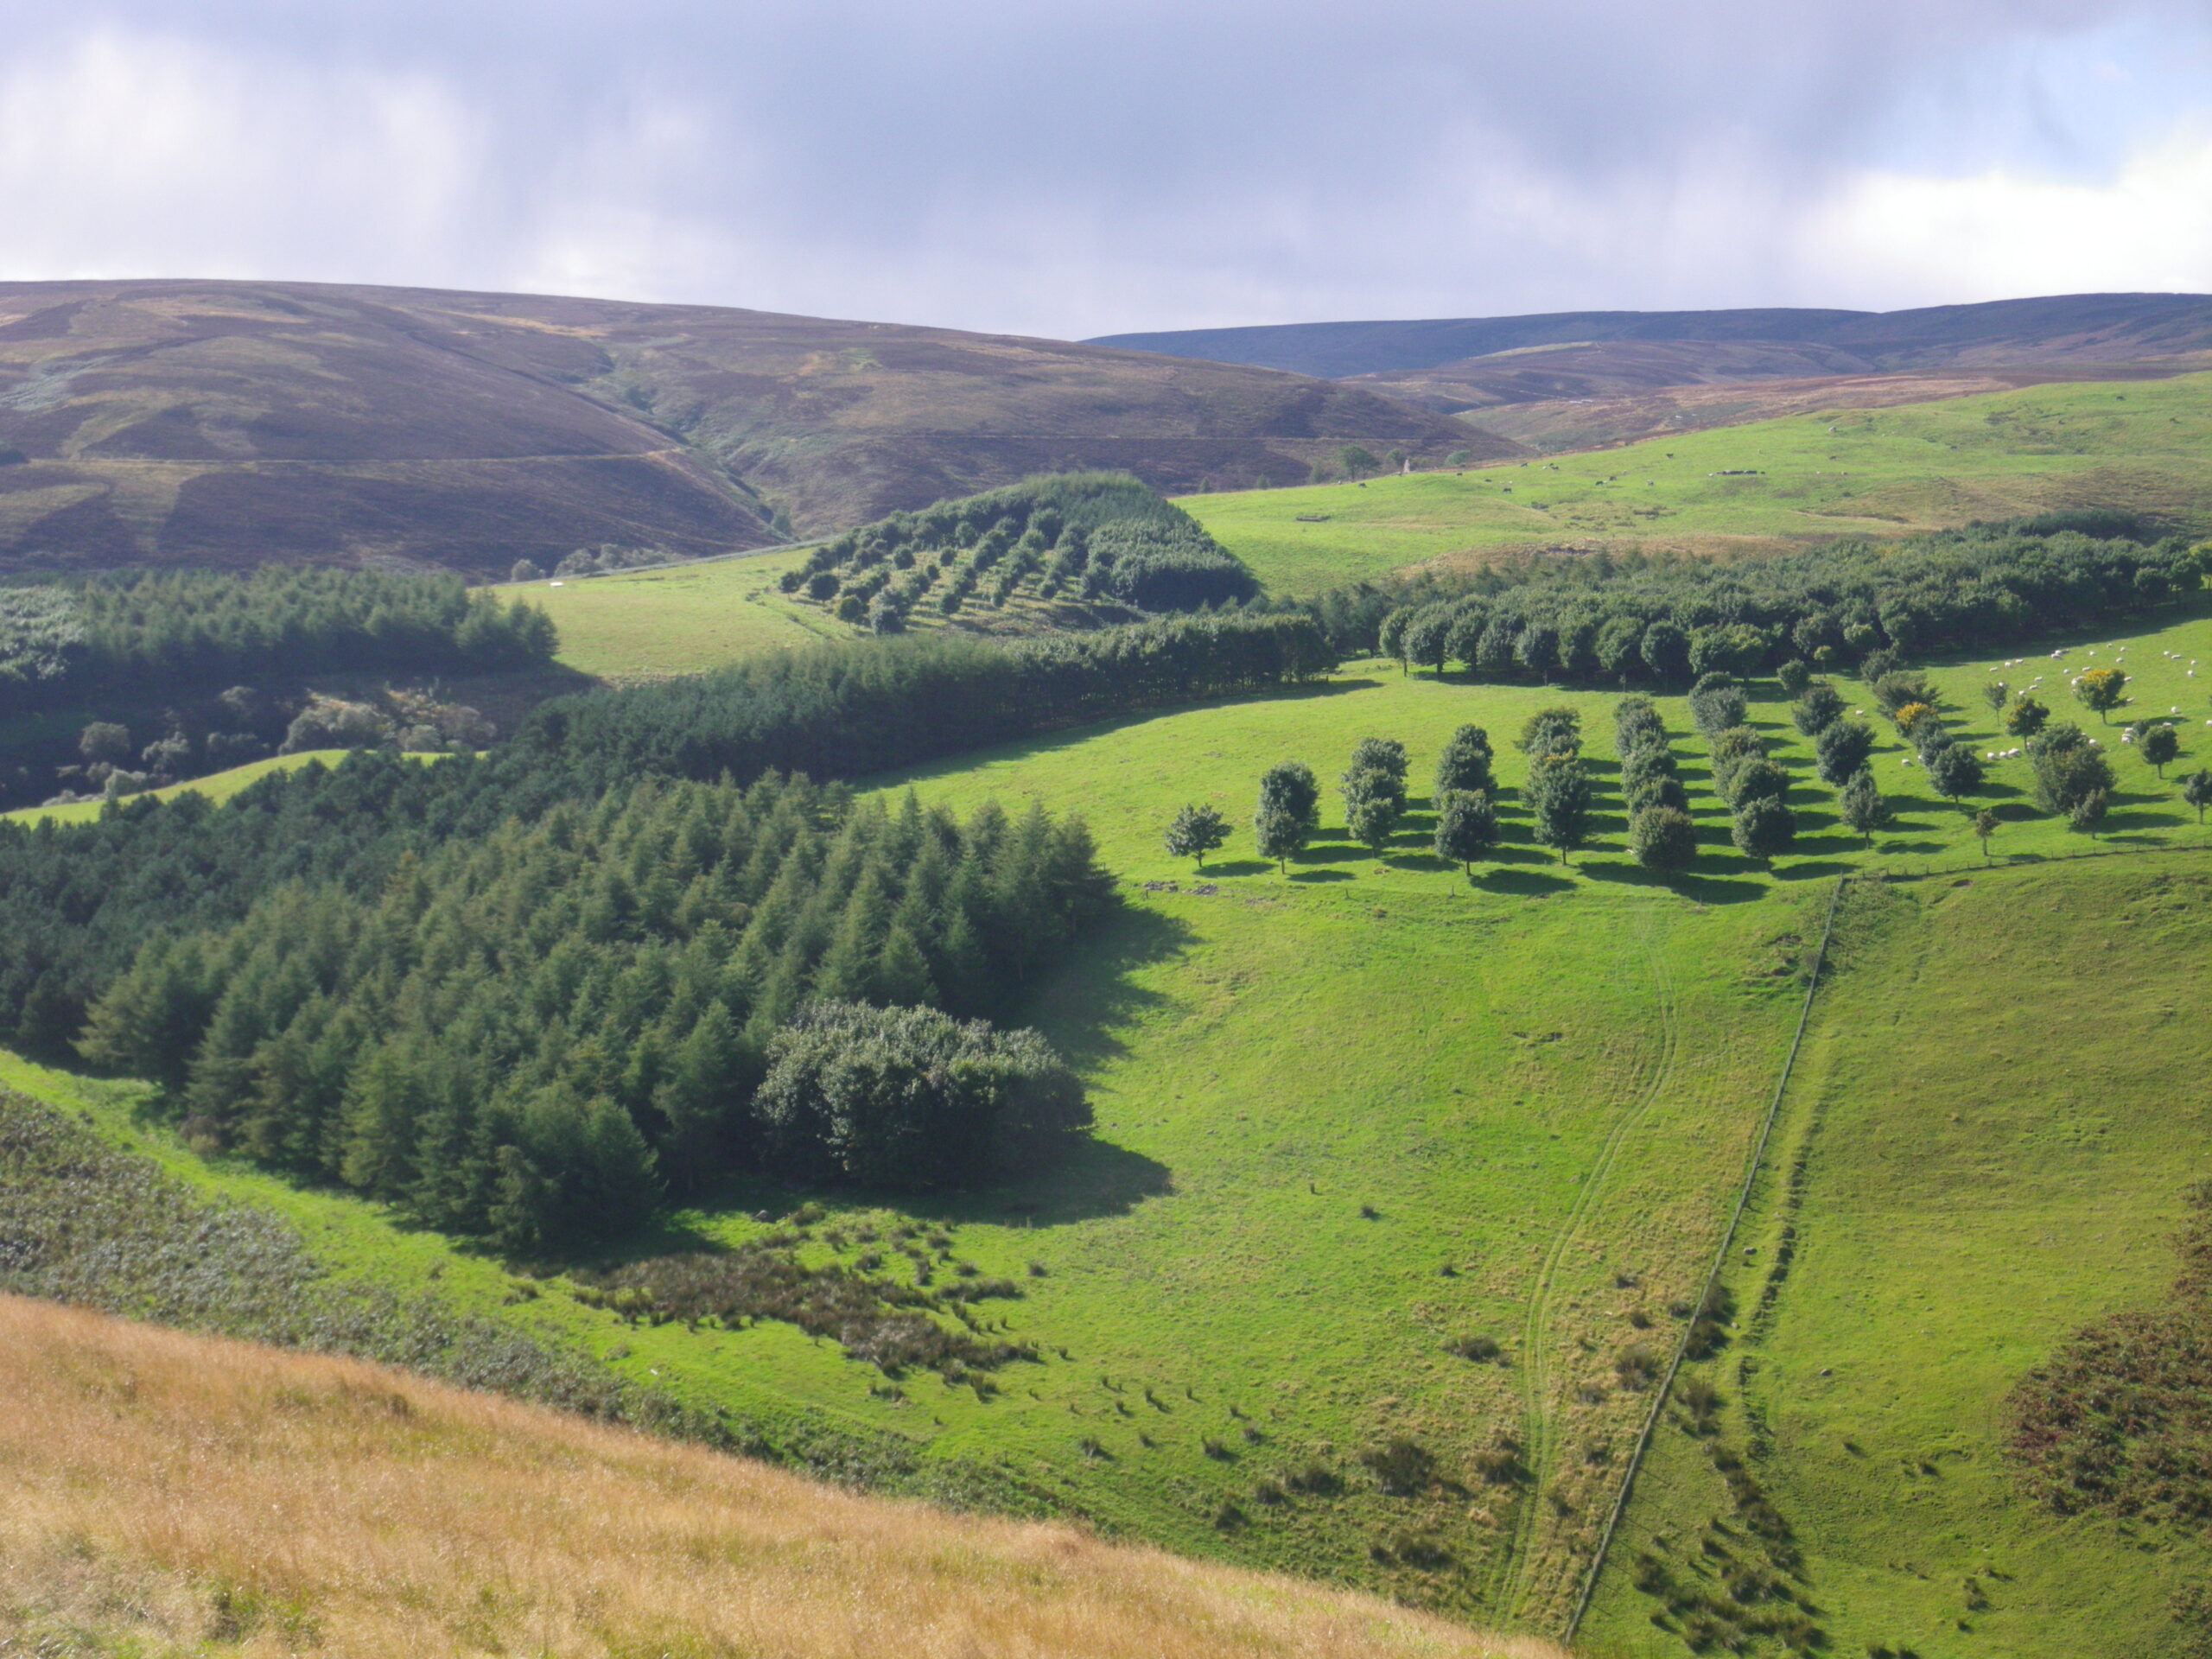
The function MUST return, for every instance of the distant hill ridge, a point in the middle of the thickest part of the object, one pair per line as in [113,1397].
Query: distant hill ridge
[2107,327]
[204,422]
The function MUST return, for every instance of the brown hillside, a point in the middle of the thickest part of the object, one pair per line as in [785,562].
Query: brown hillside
[236,422]
[159,1491]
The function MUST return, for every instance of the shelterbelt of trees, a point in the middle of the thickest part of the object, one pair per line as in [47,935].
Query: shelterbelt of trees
[1669,620]
[497,990]
[1080,535]
[67,639]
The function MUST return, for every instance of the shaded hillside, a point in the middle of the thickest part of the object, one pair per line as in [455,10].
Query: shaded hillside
[188,421]
[2097,327]
[165,1490]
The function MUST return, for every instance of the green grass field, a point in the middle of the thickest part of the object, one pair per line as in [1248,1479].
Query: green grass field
[2138,445]
[1345,1119]
[649,625]
[1983,1148]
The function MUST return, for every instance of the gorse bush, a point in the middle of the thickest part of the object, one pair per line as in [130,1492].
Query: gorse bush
[200,626]
[526,1034]
[2115,1421]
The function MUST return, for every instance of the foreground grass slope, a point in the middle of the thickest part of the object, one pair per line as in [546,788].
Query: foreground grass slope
[1984,1147]
[169,1494]
[2137,445]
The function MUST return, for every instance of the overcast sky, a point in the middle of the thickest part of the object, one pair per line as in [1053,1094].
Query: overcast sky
[1072,167]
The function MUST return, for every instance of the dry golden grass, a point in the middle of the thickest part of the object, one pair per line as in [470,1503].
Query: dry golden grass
[161,1492]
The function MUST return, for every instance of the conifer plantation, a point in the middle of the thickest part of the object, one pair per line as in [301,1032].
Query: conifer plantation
[531,1035]
[183,627]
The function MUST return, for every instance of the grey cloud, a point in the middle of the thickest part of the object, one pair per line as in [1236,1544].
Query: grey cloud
[1079,166]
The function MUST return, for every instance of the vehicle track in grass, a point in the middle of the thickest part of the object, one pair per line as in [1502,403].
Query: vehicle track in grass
[1540,1438]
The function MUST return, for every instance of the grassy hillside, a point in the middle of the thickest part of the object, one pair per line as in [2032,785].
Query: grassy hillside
[169,1494]
[237,423]
[648,625]
[1965,1175]
[2142,446]
[1602,418]
[1348,1120]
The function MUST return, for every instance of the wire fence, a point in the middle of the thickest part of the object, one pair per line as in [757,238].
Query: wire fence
[1712,1276]
[1758,1159]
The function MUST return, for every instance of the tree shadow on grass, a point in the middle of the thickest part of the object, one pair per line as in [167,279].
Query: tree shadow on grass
[1520,852]
[1424,861]
[1805,869]
[1236,866]
[1087,998]
[1096,1179]
[1706,889]
[1074,736]
[1523,883]
[1309,877]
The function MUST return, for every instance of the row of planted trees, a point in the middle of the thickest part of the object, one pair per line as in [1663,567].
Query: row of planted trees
[1373,788]
[2074,776]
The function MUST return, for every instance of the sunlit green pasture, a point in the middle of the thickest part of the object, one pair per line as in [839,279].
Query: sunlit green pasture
[2143,446]
[1346,1117]
[1984,1148]
[648,625]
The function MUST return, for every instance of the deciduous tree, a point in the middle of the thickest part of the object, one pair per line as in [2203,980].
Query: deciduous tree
[1762,827]
[1466,826]
[2157,744]
[2027,716]
[1465,762]
[1559,800]
[1955,770]
[1862,805]
[1195,831]
[1663,838]
[2102,690]
[1986,825]
[2196,789]
[1819,707]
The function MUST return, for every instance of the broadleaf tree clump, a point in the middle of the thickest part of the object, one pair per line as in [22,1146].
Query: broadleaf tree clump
[1662,620]
[911,1098]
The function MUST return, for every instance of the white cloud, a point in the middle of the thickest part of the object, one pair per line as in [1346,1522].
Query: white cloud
[125,153]
[2001,232]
